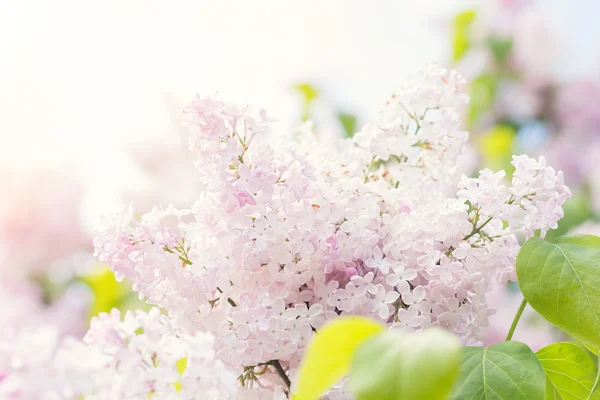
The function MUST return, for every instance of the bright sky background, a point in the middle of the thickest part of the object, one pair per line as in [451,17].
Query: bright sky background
[79,79]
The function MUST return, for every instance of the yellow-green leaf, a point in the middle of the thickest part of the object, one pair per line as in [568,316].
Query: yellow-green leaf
[570,371]
[461,42]
[107,291]
[329,354]
[594,350]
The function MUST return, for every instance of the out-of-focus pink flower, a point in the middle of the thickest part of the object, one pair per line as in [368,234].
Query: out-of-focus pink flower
[577,107]
[514,5]
[31,336]
[40,220]
[532,56]
[532,328]
[576,156]
[522,100]
[566,154]
[587,228]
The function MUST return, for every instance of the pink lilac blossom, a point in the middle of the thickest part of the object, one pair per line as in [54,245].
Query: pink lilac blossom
[285,239]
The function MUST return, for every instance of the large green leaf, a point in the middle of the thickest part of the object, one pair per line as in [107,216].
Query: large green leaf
[395,365]
[570,371]
[328,355]
[551,393]
[504,371]
[561,281]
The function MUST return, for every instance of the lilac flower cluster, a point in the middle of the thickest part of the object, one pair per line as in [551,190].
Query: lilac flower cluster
[285,239]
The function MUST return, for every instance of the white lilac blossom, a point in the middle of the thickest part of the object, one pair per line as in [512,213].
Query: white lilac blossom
[283,240]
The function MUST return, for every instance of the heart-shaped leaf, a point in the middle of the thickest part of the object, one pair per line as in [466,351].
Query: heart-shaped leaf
[395,365]
[328,355]
[561,281]
[504,371]
[569,369]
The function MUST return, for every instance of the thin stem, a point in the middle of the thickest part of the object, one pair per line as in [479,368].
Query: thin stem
[476,230]
[369,169]
[281,373]
[596,381]
[516,320]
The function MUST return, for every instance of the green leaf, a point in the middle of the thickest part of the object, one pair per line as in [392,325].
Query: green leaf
[348,122]
[329,353]
[551,393]
[395,365]
[499,47]
[561,281]
[569,370]
[482,92]
[460,35]
[592,349]
[504,371]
